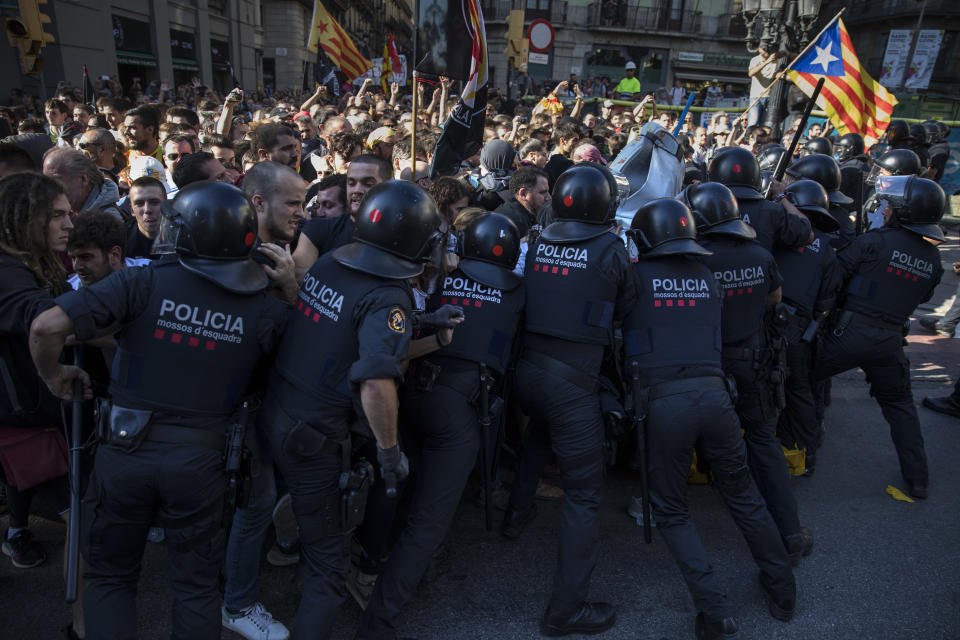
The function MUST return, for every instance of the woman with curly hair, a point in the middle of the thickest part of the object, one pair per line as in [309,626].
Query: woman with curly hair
[34,226]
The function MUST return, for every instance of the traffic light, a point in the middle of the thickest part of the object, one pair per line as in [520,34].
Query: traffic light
[25,32]
[518,47]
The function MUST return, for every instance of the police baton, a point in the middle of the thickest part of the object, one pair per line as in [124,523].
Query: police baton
[73,525]
[788,156]
[484,410]
[640,422]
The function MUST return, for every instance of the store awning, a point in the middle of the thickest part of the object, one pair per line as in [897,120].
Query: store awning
[182,64]
[135,58]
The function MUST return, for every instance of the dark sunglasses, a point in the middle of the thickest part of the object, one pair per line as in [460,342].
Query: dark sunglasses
[86,145]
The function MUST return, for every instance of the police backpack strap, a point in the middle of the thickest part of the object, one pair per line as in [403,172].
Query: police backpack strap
[561,369]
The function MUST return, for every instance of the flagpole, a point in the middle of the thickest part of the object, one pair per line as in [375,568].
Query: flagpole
[777,78]
[416,87]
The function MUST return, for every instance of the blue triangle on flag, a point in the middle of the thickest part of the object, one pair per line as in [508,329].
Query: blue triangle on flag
[825,56]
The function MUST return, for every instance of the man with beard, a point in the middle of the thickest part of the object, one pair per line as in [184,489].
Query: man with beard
[140,128]
[328,198]
[96,248]
[322,235]
[276,142]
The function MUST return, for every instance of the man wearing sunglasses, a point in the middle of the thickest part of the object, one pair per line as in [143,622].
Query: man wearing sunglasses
[100,146]
[174,148]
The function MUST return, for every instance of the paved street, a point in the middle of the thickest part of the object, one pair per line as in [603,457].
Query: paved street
[880,569]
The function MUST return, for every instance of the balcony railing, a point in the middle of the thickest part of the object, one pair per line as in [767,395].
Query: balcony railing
[618,14]
[866,10]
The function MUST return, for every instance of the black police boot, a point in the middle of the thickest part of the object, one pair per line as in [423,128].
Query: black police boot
[799,545]
[917,489]
[946,405]
[516,521]
[781,606]
[810,462]
[590,618]
[726,629]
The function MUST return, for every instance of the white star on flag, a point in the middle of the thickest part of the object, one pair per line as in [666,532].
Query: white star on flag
[824,57]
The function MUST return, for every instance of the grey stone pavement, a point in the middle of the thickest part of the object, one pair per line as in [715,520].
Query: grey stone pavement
[881,569]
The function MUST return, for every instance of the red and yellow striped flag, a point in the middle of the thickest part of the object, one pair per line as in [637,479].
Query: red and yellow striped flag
[854,102]
[325,32]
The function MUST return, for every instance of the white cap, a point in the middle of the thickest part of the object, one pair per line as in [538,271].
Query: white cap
[148,166]
[631,65]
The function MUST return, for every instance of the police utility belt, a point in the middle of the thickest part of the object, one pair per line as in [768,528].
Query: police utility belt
[846,316]
[127,428]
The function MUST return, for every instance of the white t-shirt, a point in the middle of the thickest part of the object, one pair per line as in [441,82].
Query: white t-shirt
[676,96]
[763,78]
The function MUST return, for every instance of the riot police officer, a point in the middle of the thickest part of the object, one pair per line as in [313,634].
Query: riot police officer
[887,274]
[810,282]
[818,144]
[672,354]
[749,282]
[342,355]
[162,454]
[578,287]
[850,153]
[938,151]
[898,134]
[738,169]
[919,143]
[769,156]
[825,171]
[894,162]
[443,410]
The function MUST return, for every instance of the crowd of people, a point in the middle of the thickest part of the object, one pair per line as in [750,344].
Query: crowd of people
[291,274]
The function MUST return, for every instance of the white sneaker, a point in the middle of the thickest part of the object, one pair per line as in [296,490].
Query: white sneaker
[254,623]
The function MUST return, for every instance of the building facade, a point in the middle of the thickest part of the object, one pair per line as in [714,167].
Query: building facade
[669,40]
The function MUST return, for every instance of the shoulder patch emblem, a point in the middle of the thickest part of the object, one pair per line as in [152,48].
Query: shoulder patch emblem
[396,320]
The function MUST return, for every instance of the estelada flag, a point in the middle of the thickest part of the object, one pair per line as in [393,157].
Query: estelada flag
[465,124]
[327,34]
[854,102]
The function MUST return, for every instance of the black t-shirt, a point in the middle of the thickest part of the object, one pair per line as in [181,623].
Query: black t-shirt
[556,165]
[138,245]
[518,214]
[327,234]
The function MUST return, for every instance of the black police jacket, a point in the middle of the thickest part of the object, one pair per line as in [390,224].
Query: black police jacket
[24,397]
[811,276]
[347,327]
[774,226]
[573,290]
[888,273]
[746,274]
[187,348]
[676,321]
[491,319]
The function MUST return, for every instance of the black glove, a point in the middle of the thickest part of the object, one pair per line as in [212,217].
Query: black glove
[442,318]
[393,467]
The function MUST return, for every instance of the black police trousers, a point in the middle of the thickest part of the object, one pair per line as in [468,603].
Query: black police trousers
[182,485]
[879,352]
[312,473]
[697,412]
[797,427]
[441,432]
[758,418]
[576,427]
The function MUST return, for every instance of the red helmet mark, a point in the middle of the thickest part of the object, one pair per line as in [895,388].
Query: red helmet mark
[683,222]
[737,168]
[375,215]
[249,238]
[497,250]
[568,200]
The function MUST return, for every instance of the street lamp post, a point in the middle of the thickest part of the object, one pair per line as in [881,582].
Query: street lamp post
[781,26]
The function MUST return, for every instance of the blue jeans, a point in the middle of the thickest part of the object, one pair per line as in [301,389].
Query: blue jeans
[250,525]
[757,112]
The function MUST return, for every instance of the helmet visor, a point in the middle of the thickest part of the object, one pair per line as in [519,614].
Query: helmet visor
[892,188]
[166,240]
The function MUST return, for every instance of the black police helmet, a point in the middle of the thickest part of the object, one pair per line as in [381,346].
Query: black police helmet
[900,162]
[918,203]
[849,146]
[819,145]
[584,203]
[586,192]
[665,227]
[918,133]
[811,198]
[824,170]
[770,155]
[489,247]
[944,129]
[898,132]
[932,130]
[738,169]
[765,178]
[715,210]
[398,230]
[216,233]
